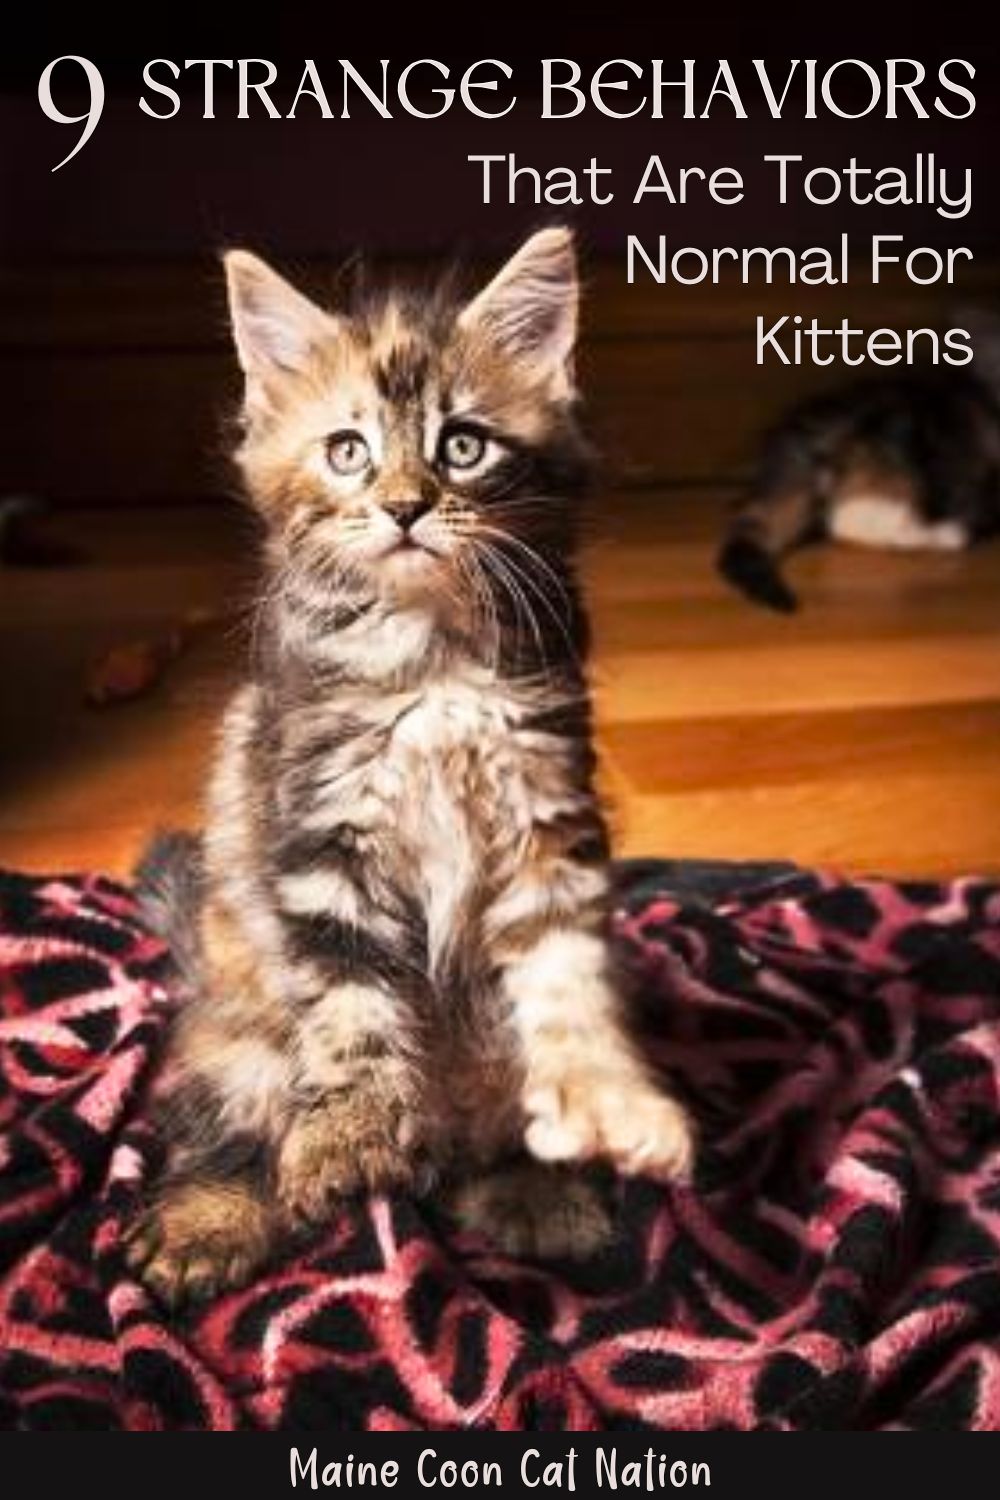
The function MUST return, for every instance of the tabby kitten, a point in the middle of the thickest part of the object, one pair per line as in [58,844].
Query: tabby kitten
[395,941]
[908,463]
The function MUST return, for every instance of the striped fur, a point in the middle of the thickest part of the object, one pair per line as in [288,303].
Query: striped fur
[403,975]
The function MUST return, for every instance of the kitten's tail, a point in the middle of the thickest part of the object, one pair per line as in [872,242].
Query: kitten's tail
[168,884]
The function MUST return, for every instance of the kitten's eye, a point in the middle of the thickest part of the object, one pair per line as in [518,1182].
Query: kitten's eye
[462,448]
[348,453]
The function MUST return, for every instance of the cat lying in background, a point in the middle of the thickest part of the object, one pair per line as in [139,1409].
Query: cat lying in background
[394,938]
[910,463]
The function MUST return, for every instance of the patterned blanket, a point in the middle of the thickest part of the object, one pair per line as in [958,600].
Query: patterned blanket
[836,1263]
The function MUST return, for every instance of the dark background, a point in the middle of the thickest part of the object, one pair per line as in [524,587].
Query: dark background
[112,329]
[308,186]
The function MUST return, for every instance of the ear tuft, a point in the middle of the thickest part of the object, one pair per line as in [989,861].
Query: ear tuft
[275,328]
[530,307]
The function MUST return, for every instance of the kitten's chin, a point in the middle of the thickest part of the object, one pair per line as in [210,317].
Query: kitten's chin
[412,575]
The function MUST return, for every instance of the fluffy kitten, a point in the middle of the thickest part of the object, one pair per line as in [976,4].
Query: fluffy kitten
[908,463]
[396,940]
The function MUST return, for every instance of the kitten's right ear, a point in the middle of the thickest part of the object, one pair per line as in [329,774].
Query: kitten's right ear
[275,328]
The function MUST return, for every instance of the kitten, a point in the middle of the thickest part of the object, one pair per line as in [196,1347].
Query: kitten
[395,939]
[910,463]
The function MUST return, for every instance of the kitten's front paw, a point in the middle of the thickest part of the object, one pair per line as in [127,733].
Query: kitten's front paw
[617,1118]
[199,1239]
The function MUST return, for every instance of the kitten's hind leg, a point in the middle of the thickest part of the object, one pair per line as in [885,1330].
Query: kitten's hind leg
[527,1209]
[218,1108]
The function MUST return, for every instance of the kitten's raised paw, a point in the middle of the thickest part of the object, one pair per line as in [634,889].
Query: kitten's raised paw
[639,1129]
[535,1211]
[199,1239]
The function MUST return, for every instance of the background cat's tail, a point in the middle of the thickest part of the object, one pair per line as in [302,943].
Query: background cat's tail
[749,567]
[784,507]
[168,881]
[763,529]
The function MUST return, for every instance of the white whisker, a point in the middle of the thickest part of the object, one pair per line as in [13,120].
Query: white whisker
[559,619]
[508,578]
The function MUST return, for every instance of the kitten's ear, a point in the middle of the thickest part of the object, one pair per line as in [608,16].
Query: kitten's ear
[530,307]
[275,328]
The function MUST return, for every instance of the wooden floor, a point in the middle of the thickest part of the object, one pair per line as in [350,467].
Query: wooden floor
[863,733]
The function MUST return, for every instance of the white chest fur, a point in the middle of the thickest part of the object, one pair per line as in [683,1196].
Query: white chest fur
[463,795]
[443,790]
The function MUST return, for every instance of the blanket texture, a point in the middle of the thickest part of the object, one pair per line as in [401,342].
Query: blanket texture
[835,1264]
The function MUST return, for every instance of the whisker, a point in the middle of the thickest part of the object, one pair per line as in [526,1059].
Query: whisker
[482,581]
[536,558]
[560,620]
[508,577]
[494,616]
[544,599]
[481,596]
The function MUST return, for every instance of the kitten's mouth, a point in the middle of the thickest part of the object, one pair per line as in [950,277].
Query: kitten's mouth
[411,570]
[409,547]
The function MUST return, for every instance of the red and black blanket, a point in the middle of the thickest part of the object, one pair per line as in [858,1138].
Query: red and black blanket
[836,1263]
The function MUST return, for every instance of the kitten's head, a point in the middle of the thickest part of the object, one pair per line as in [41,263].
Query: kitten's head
[409,445]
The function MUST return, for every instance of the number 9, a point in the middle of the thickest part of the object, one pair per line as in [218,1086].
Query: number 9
[92,115]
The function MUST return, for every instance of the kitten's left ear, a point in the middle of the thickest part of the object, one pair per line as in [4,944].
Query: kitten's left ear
[530,308]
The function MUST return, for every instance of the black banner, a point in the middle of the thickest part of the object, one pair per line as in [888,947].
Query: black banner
[729,1466]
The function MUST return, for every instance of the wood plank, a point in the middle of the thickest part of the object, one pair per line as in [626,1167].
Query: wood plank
[817,675]
[922,825]
[804,749]
[863,732]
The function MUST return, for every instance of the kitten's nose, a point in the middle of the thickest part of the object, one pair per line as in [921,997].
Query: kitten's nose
[407,513]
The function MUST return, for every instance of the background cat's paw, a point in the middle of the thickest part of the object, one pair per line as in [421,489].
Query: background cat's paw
[622,1120]
[199,1239]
